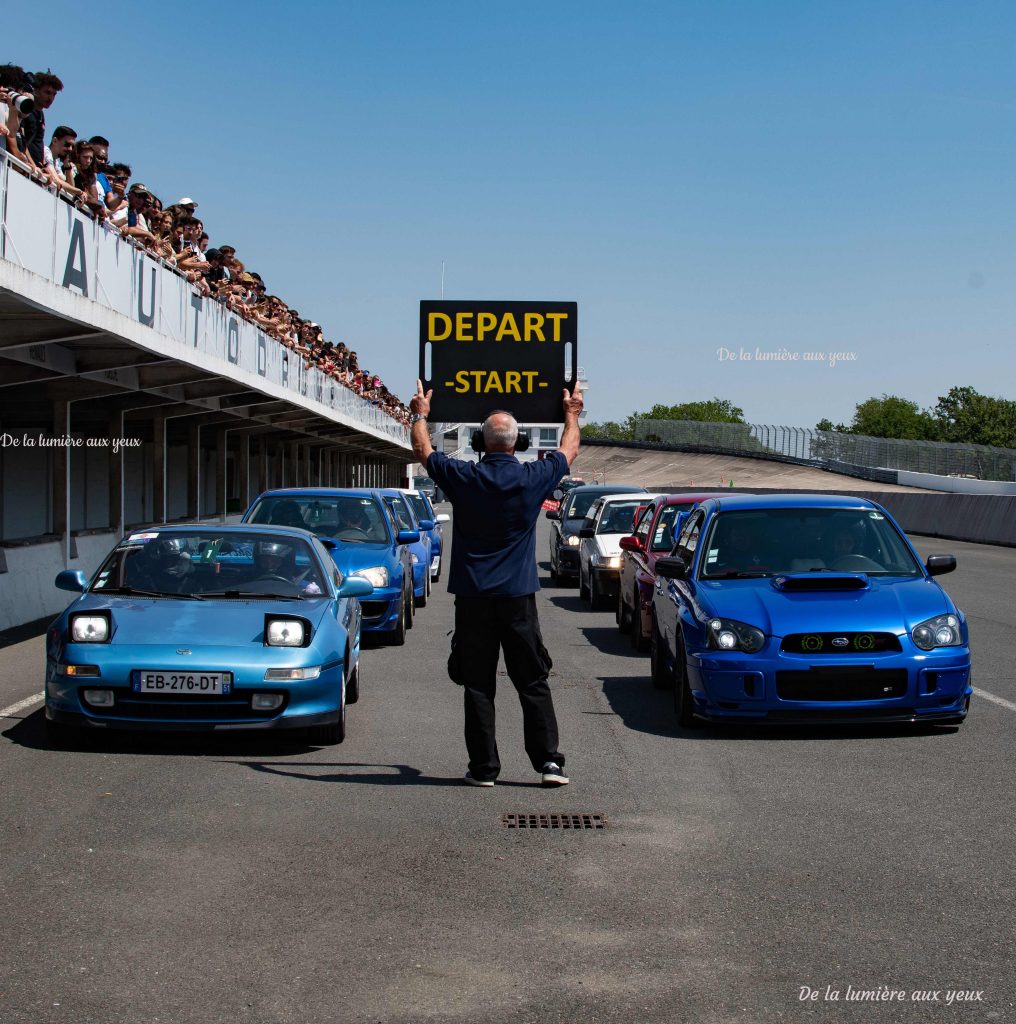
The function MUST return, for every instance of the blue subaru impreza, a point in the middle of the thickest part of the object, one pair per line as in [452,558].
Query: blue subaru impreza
[208,627]
[805,608]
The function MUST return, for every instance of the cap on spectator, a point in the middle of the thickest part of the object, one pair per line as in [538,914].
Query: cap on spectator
[186,201]
[213,254]
[138,187]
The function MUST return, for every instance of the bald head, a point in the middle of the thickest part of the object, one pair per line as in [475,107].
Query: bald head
[500,432]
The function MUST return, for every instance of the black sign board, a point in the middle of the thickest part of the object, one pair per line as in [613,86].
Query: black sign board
[482,356]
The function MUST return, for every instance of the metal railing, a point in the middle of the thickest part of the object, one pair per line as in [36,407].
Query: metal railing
[829,449]
[39,252]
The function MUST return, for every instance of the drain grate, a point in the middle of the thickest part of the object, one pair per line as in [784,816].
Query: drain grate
[554,820]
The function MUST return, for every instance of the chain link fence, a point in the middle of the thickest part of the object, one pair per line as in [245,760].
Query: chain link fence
[871,457]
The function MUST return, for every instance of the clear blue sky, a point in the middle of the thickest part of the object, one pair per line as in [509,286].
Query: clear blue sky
[808,176]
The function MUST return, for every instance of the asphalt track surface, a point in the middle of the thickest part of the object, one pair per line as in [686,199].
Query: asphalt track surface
[204,879]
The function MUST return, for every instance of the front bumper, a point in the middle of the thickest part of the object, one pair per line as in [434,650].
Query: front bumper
[608,580]
[790,688]
[304,702]
[380,611]
[567,560]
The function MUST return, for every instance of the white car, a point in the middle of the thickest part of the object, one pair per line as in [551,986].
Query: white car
[609,518]
[423,509]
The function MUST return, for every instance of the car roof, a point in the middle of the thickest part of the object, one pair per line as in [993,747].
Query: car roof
[599,489]
[627,496]
[160,528]
[317,492]
[691,497]
[728,503]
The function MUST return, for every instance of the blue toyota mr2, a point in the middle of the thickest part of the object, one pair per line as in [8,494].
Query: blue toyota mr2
[208,627]
[806,608]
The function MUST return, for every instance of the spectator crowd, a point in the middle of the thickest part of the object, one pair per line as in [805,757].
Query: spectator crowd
[80,170]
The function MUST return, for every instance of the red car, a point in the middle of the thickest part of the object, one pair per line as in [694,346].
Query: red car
[656,529]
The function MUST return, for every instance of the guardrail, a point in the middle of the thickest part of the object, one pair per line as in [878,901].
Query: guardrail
[877,458]
[42,231]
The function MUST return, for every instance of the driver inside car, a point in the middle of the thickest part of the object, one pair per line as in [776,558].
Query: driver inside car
[161,566]
[275,560]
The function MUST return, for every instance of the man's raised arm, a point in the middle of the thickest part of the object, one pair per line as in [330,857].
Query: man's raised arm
[419,407]
[570,436]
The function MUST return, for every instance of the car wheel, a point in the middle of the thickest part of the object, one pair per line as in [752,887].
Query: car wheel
[594,593]
[621,612]
[554,578]
[684,706]
[583,589]
[397,637]
[421,602]
[410,607]
[661,678]
[353,686]
[638,641]
[329,735]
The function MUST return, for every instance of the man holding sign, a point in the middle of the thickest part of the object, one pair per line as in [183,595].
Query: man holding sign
[497,502]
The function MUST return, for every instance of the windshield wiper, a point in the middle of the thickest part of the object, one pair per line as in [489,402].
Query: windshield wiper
[252,594]
[133,592]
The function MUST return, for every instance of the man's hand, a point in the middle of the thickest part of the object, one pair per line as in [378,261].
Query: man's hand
[573,403]
[420,402]
[570,436]
[420,435]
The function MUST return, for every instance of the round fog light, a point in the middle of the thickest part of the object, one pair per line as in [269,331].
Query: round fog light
[266,701]
[100,698]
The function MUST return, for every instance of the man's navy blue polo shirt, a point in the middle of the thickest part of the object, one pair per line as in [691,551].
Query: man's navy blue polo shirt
[497,502]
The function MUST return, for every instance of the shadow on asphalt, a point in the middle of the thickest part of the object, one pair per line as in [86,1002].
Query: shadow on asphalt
[31,732]
[398,775]
[18,634]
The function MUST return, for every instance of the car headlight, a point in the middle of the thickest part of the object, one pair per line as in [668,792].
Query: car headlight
[89,629]
[941,631]
[731,635]
[284,633]
[572,541]
[377,574]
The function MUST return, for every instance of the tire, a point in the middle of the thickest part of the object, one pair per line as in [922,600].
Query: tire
[329,735]
[583,589]
[594,592]
[397,637]
[684,706]
[621,612]
[353,685]
[421,602]
[638,641]
[554,578]
[410,607]
[662,679]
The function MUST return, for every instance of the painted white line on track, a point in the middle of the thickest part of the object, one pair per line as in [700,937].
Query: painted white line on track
[21,705]
[1000,701]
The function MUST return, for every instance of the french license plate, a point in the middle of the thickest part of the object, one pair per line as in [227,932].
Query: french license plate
[168,681]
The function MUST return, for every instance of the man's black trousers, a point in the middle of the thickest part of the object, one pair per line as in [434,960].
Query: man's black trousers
[484,626]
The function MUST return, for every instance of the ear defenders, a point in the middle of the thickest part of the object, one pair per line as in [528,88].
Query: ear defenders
[521,442]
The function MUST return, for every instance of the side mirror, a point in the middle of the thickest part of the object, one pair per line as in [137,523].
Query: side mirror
[443,518]
[936,564]
[554,513]
[630,544]
[355,586]
[426,524]
[672,568]
[587,531]
[407,536]
[71,579]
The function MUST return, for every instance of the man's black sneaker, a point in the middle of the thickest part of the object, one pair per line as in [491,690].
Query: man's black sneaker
[553,775]
[470,781]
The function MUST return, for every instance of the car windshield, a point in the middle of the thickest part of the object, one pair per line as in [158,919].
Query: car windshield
[344,517]
[205,562]
[618,517]
[792,540]
[581,504]
[401,513]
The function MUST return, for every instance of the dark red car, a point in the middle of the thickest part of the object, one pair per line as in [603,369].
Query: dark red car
[655,532]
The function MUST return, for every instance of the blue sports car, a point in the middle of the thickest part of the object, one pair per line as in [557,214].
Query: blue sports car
[366,543]
[406,517]
[420,501]
[208,627]
[805,608]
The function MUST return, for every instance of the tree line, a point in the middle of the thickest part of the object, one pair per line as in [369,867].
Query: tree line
[963,416]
